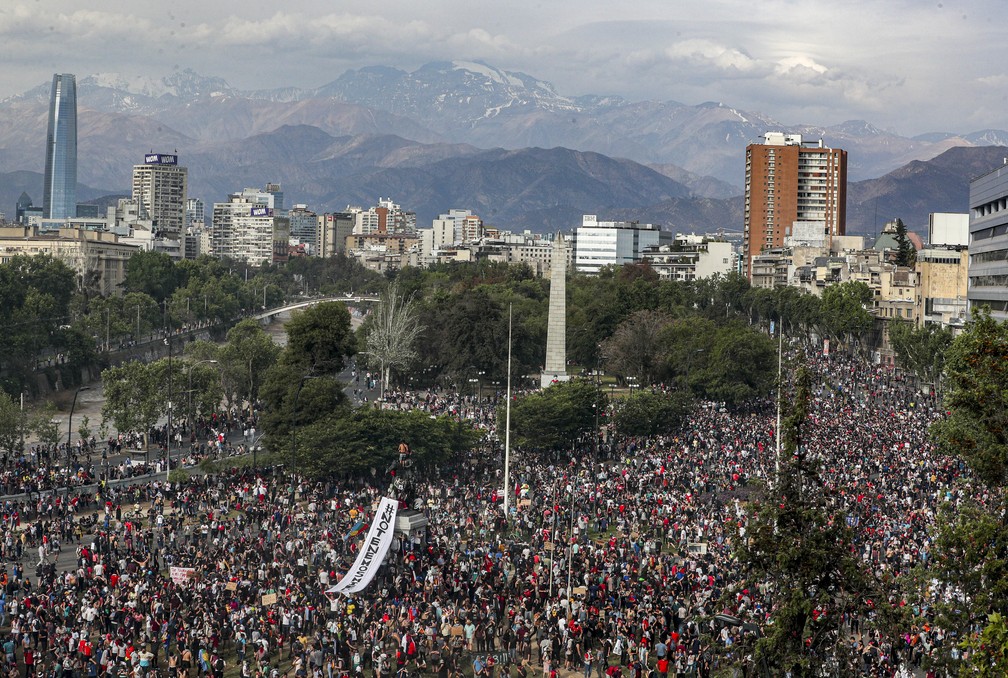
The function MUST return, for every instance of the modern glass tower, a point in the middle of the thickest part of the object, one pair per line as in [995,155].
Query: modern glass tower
[60,198]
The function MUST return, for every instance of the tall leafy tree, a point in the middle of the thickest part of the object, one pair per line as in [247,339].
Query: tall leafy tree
[634,350]
[976,429]
[134,397]
[906,253]
[920,349]
[801,549]
[971,539]
[44,425]
[11,424]
[319,339]
[152,273]
[244,358]
[652,413]
[556,417]
[845,315]
[392,335]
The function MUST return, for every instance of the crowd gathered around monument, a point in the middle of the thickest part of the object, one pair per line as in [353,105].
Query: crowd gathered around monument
[614,562]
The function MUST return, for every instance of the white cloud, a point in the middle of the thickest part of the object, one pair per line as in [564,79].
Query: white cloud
[918,66]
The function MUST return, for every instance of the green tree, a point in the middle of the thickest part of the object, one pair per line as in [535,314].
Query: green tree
[738,366]
[971,539]
[554,418]
[920,350]
[844,313]
[976,367]
[151,273]
[35,297]
[652,413]
[134,396]
[246,355]
[292,402]
[319,339]
[803,551]
[366,438]
[45,426]
[84,428]
[684,343]
[906,253]
[633,350]
[11,423]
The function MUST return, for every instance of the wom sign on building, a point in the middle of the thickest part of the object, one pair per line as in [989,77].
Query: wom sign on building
[373,550]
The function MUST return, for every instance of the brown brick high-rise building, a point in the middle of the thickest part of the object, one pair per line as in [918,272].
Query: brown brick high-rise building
[792,189]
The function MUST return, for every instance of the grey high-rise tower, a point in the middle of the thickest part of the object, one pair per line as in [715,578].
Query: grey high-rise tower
[60,192]
[556,322]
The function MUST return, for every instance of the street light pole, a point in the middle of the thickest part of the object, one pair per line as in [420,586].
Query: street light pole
[70,420]
[168,448]
[190,411]
[297,396]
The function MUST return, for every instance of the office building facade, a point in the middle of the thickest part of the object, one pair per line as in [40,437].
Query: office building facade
[988,243]
[59,200]
[612,243]
[792,188]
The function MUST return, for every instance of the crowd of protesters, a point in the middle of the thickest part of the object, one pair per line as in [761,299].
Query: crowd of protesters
[612,566]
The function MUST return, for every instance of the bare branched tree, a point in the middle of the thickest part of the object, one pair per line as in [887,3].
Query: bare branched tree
[391,340]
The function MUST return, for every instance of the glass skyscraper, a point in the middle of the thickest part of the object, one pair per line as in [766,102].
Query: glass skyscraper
[60,194]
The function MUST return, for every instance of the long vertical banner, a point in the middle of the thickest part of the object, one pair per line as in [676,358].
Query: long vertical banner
[373,550]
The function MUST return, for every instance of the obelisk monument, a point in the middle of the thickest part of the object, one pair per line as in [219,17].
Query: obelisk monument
[556,329]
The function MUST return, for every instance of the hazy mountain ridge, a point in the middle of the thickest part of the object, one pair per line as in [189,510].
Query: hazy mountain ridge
[422,139]
[478,104]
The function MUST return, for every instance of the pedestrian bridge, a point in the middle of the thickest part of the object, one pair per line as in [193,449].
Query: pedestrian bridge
[349,300]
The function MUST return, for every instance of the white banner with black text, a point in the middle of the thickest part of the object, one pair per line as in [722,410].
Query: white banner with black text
[373,550]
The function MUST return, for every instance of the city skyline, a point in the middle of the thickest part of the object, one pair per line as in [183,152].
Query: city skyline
[808,63]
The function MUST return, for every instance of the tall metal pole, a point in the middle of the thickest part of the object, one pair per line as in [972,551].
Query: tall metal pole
[168,449]
[189,411]
[22,423]
[570,543]
[70,420]
[293,460]
[780,385]
[507,429]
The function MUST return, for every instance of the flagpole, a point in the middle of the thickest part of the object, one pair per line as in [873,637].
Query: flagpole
[507,428]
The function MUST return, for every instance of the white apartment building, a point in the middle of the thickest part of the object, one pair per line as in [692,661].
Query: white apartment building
[159,188]
[246,229]
[691,259]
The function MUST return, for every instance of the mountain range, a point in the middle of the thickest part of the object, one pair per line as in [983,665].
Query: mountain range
[463,134]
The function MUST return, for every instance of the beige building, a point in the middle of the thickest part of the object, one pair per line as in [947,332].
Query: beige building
[941,295]
[98,255]
[332,230]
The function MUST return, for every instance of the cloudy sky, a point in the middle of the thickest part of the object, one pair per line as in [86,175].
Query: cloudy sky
[912,66]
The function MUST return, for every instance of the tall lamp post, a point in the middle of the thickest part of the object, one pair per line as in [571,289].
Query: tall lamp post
[70,420]
[189,410]
[297,396]
[168,342]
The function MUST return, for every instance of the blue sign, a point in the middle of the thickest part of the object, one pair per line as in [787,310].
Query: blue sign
[261,212]
[160,159]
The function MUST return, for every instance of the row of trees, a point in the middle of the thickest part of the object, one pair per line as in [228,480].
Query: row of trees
[624,321]
[51,316]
